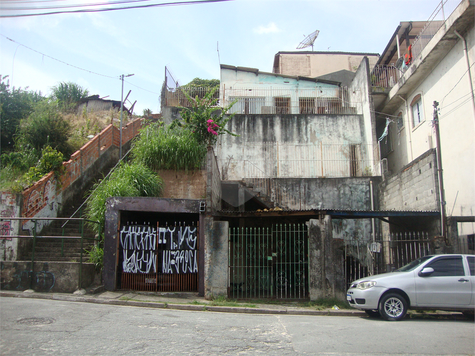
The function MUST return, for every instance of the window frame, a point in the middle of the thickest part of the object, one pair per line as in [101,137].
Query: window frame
[416,103]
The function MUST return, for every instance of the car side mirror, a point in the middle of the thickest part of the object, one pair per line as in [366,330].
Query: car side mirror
[426,271]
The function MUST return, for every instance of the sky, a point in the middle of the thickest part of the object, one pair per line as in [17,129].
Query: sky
[95,49]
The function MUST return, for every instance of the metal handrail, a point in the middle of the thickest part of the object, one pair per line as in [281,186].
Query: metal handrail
[35,236]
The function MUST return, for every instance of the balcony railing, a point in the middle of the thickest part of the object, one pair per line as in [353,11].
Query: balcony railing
[317,101]
[384,76]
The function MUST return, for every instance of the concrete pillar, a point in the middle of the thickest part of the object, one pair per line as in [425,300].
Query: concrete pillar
[216,258]
[326,261]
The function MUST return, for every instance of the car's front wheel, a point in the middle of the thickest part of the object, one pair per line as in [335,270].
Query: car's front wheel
[372,313]
[392,307]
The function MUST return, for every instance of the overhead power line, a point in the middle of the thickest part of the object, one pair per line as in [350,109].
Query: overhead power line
[82,10]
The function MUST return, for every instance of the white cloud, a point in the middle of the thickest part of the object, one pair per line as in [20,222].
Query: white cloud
[270,28]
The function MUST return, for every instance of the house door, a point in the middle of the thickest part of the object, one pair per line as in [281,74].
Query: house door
[158,258]
[268,262]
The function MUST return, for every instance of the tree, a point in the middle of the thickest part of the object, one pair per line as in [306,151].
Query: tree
[68,94]
[200,87]
[204,83]
[45,127]
[15,104]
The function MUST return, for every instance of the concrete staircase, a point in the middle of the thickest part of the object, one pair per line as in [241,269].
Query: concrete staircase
[67,249]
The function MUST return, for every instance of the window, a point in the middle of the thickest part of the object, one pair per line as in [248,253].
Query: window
[247,105]
[400,121]
[447,266]
[417,110]
[307,105]
[282,105]
[471,265]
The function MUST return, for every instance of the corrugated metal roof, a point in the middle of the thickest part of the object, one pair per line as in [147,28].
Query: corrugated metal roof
[336,213]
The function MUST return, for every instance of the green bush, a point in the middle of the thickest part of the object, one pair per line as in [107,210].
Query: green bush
[45,127]
[51,160]
[170,147]
[128,180]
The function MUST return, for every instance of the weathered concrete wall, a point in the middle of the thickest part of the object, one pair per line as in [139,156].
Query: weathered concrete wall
[360,92]
[314,64]
[326,261]
[326,193]
[291,146]
[415,187]
[54,277]
[183,185]
[216,258]
[9,207]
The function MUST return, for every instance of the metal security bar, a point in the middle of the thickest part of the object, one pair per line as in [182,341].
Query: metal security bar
[268,262]
[275,100]
[159,258]
[384,76]
[385,254]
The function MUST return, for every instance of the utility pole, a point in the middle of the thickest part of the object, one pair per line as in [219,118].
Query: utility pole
[121,109]
[443,227]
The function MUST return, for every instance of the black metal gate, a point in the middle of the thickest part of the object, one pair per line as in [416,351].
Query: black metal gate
[384,254]
[268,262]
[159,258]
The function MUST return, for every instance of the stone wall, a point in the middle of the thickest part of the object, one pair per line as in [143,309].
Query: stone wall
[415,187]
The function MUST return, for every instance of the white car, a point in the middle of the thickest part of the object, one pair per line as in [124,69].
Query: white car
[444,282]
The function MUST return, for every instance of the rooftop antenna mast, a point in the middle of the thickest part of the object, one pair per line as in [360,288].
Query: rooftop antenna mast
[309,40]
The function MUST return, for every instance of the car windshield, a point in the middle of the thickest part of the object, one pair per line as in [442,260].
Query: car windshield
[413,264]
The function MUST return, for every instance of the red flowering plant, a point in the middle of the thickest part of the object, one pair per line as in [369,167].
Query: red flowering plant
[205,118]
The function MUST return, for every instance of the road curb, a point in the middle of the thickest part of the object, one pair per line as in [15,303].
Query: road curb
[282,310]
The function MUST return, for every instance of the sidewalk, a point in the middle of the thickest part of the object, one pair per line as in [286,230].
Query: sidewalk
[193,302]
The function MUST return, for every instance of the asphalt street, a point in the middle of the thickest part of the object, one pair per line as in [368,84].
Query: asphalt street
[32,326]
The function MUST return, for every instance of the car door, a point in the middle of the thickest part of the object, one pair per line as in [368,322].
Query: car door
[449,285]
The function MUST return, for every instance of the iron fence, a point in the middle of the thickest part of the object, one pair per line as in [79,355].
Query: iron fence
[268,262]
[34,237]
[384,76]
[275,100]
[185,96]
[384,254]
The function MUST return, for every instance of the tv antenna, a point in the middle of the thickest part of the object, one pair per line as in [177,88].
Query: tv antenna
[309,40]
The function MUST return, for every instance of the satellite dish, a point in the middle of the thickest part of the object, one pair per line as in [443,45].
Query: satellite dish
[309,40]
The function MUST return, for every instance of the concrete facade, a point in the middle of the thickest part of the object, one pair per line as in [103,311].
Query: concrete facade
[54,277]
[314,64]
[440,74]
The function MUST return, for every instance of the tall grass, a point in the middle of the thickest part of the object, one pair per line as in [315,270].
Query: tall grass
[160,147]
[128,180]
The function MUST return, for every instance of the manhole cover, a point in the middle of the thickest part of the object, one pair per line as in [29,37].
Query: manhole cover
[36,321]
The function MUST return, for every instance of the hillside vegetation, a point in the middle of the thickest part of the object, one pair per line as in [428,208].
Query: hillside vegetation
[38,133]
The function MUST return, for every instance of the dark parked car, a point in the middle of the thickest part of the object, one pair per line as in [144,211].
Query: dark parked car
[444,282]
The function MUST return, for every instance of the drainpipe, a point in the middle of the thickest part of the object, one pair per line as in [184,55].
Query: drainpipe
[440,176]
[408,126]
[373,226]
[464,41]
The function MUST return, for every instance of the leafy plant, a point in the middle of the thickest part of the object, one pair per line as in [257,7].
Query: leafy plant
[51,160]
[45,127]
[170,147]
[68,94]
[15,105]
[96,256]
[205,120]
[128,180]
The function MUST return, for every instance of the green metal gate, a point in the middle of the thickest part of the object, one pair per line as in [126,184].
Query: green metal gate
[268,262]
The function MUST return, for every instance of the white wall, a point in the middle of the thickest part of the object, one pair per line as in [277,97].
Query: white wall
[448,84]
